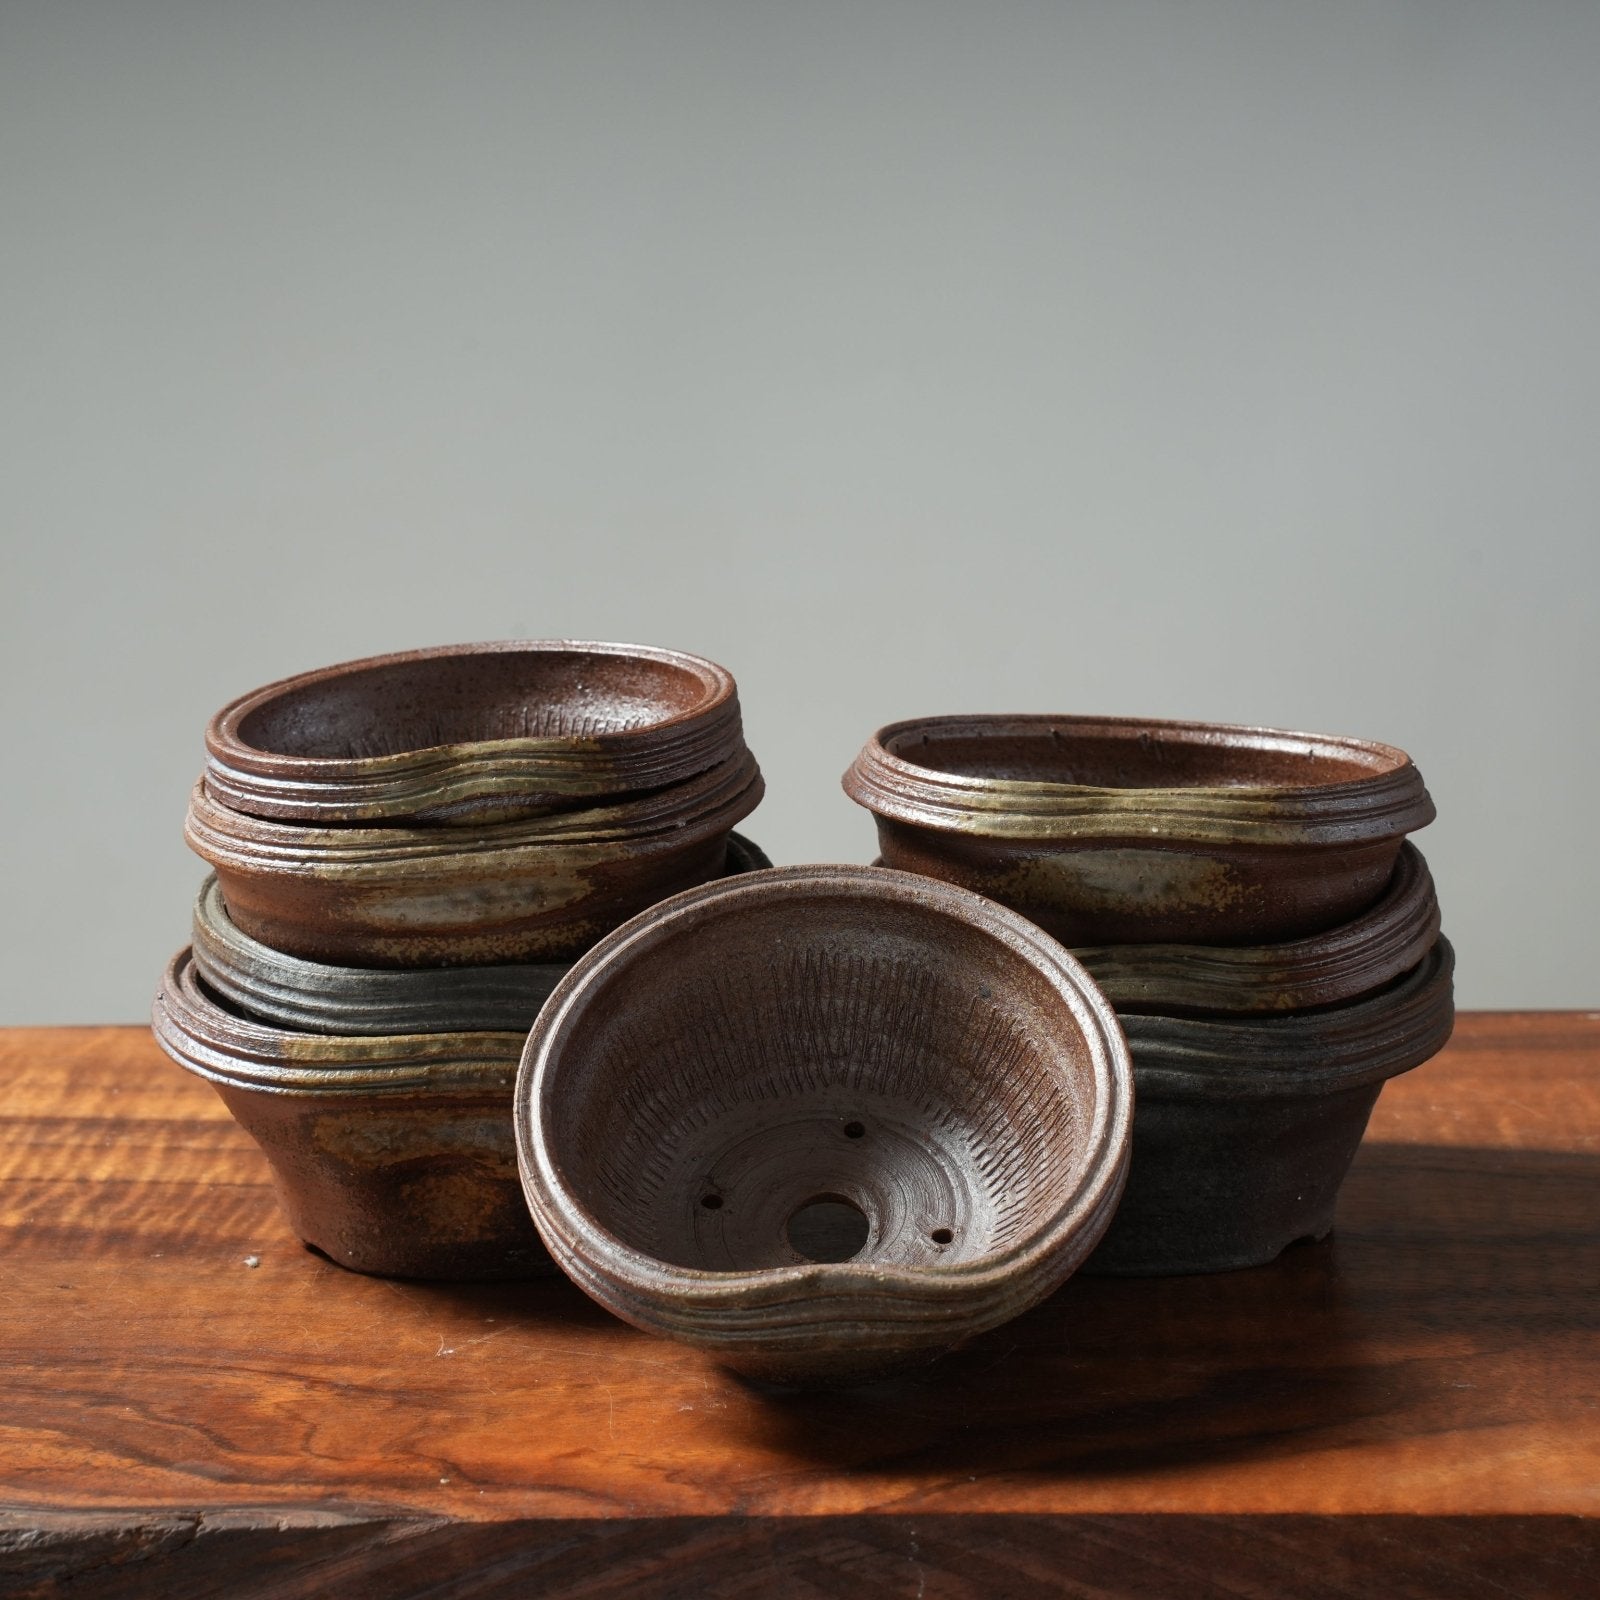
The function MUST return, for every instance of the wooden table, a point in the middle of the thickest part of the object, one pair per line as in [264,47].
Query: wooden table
[1410,1408]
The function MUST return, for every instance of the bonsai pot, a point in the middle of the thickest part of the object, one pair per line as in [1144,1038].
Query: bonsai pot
[1245,1128]
[472,733]
[1346,962]
[390,1154]
[823,1122]
[288,992]
[1113,831]
[537,889]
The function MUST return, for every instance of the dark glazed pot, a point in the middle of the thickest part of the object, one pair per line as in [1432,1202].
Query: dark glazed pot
[287,992]
[823,1122]
[1245,1129]
[1329,968]
[1110,831]
[473,734]
[391,1155]
[539,889]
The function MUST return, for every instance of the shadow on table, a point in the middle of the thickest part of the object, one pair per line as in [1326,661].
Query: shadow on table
[1452,1274]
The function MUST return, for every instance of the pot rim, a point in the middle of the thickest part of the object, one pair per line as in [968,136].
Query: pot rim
[666,820]
[1362,1042]
[216,1043]
[309,787]
[978,1292]
[1391,801]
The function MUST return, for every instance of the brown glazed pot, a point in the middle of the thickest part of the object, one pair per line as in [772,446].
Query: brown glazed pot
[287,992]
[824,1122]
[391,1155]
[472,734]
[1329,968]
[538,889]
[1245,1128]
[1112,831]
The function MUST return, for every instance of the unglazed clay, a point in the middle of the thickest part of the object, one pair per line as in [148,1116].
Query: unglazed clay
[1110,831]
[824,1122]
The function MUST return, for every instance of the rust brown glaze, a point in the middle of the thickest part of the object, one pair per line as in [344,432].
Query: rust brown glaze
[472,733]
[1329,968]
[823,1122]
[1113,831]
[287,992]
[538,889]
[391,1154]
[1246,1128]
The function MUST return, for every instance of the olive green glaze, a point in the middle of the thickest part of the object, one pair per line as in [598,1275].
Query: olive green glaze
[538,889]
[1108,831]
[472,734]
[716,1088]
[391,1154]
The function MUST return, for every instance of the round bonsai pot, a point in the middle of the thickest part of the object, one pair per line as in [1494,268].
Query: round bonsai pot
[1114,831]
[288,992]
[1346,962]
[823,1122]
[391,1155]
[537,889]
[1246,1128]
[472,734]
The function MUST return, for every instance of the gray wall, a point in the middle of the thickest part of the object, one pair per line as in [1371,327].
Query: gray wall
[1237,361]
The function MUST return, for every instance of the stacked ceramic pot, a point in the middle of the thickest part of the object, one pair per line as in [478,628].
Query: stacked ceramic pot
[408,852]
[1247,901]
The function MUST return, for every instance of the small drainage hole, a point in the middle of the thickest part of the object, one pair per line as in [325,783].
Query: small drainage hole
[853,1130]
[941,1236]
[712,1202]
[828,1228]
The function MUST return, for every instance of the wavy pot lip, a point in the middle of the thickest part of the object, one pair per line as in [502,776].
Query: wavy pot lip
[963,1290]
[667,820]
[1345,962]
[1355,1045]
[293,992]
[687,735]
[220,1045]
[1368,791]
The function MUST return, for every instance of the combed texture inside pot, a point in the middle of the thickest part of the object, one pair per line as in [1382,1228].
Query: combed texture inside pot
[418,705]
[831,1079]
[1131,757]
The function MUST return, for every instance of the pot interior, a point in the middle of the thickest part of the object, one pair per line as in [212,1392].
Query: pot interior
[1132,756]
[839,1079]
[491,695]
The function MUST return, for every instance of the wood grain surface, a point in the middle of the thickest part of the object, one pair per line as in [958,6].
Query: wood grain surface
[1410,1407]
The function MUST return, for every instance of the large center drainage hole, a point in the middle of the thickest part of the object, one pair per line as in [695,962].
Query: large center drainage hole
[828,1228]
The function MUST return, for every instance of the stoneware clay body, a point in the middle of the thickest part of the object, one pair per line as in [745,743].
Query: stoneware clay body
[1111,831]
[824,1122]
[391,1154]
[474,733]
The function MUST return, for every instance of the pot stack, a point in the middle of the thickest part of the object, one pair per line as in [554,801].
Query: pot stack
[1247,901]
[407,854]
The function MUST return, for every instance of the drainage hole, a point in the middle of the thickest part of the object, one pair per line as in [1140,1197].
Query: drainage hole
[828,1228]
[712,1202]
[853,1130]
[941,1236]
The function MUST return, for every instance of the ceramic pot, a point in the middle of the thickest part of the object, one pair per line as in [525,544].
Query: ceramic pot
[1246,1128]
[824,1122]
[287,992]
[1344,963]
[1112,831]
[538,889]
[391,1155]
[472,734]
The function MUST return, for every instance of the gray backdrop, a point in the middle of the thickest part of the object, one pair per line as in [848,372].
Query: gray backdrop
[1237,361]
